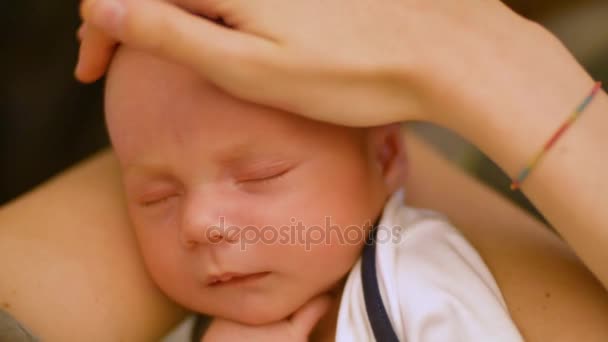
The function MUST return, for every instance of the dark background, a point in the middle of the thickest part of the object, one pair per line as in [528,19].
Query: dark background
[48,121]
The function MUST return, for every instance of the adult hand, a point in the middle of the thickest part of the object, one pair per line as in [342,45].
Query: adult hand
[297,328]
[355,62]
[96,50]
[472,66]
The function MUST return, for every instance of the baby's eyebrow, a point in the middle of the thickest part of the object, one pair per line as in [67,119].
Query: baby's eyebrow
[246,162]
[144,168]
[248,156]
[240,154]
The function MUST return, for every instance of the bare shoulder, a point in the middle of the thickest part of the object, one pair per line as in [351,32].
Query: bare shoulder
[549,292]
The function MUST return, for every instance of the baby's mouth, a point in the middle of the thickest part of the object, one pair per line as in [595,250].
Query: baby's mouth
[235,278]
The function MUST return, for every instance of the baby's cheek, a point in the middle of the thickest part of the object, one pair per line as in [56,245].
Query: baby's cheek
[324,262]
[159,244]
[170,272]
[158,249]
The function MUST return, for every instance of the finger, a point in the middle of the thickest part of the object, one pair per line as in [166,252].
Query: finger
[95,54]
[306,318]
[208,8]
[81,32]
[81,8]
[170,32]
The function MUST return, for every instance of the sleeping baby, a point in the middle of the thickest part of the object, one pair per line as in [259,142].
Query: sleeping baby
[246,213]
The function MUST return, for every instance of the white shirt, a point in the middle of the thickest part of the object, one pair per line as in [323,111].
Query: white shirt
[434,285]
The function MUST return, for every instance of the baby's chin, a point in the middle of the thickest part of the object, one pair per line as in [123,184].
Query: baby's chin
[253,308]
[263,314]
[258,316]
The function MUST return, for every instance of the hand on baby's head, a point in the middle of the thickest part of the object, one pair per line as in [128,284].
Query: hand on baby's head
[241,211]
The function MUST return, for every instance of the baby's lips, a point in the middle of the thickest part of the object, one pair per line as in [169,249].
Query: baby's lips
[233,276]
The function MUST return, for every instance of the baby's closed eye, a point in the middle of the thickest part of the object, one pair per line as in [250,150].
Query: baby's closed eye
[157,198]
[258,177]
[155,194]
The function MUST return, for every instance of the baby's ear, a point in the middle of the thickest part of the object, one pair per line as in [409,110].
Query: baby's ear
[389,154]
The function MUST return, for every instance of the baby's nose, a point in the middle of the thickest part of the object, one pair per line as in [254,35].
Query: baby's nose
[204,225]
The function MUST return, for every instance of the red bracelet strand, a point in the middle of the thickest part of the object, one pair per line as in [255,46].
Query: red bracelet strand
[538,156]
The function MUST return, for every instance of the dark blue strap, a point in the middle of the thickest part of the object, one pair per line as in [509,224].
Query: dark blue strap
[201,324]
[376,312]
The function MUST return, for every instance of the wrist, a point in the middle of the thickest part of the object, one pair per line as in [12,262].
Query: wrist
[520,90]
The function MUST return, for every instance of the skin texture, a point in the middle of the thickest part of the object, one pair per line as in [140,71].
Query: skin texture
[55,236]
[197,161]
[500,81]
[79,220]
[550,294]
[528,295]
[70,265]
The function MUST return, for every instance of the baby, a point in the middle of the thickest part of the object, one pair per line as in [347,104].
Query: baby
[247,213]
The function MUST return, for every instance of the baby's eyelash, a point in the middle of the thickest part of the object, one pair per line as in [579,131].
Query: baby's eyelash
[154,202]
[263,180]
[268,179]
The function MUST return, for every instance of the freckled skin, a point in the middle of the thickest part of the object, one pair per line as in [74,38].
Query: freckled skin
[192,156]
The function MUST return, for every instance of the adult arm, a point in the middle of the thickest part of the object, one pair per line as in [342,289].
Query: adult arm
[549,292]
[502,82]
[70,269]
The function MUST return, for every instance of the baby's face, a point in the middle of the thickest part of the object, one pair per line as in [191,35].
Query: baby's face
[241,211]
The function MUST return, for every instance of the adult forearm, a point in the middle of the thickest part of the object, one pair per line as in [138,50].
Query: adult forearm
[533,268]
[520,100]
[472,66]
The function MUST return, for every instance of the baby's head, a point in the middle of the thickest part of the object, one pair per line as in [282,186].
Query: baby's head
[230,199]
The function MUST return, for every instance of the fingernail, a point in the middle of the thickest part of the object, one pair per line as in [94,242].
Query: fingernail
[78,71]
[108,14]
[78,68]
[81,32]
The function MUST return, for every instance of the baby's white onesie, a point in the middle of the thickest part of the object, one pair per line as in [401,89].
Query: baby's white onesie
[432,284]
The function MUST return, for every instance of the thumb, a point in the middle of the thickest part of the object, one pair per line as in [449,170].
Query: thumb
[169,32]
[307,317]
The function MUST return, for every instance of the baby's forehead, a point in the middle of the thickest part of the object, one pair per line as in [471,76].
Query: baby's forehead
[149,100]
[140,84]
[142,88]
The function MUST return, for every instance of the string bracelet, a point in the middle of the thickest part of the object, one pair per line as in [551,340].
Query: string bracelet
[533,162]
